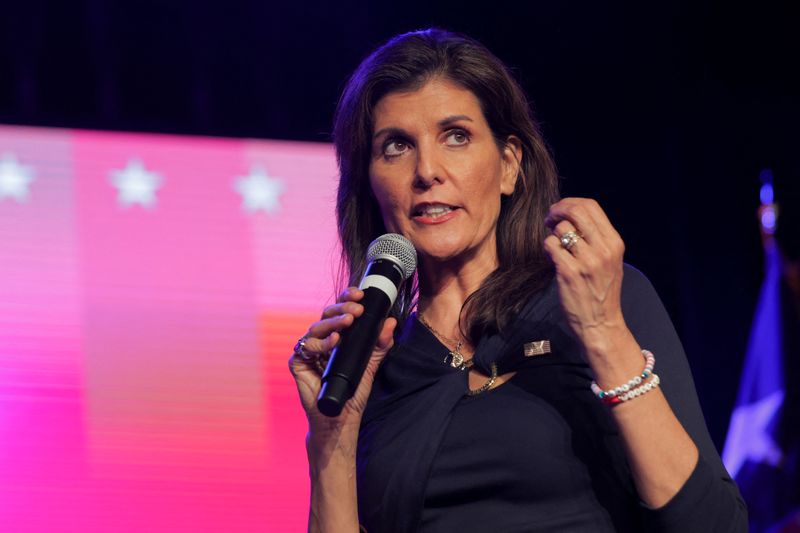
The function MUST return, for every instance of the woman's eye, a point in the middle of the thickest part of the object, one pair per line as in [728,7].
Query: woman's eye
[394,148]
[457,138]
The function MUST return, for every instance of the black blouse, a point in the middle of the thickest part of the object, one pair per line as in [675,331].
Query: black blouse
[538,453]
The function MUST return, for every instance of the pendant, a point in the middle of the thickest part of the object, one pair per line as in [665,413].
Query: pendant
[456,359]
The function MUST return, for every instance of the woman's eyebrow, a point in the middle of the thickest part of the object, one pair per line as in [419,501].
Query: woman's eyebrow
[391,132]
[453,118]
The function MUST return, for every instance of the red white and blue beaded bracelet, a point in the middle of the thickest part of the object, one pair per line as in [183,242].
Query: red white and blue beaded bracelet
[634,388]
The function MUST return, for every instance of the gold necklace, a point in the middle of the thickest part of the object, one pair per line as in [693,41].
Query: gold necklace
[456,358]
[486,386]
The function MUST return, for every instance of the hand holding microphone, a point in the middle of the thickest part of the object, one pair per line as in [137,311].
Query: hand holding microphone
[355,330]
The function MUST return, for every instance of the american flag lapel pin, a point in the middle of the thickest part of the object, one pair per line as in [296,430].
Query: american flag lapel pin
[536,348]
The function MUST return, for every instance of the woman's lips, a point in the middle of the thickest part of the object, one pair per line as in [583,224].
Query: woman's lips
[434,213]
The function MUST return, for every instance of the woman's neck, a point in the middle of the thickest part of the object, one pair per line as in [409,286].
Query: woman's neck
[445,286]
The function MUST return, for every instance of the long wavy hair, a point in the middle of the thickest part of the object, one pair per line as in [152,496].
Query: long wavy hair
[406,63]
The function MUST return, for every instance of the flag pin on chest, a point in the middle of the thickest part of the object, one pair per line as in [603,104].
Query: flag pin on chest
[536,348]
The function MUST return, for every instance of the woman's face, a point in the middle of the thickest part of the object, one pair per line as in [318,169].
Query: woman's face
[438,173]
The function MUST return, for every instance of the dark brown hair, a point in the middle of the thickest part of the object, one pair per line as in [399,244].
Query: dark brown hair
[405,63]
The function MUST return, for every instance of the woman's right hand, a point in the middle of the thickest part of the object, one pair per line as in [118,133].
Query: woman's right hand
[320,340]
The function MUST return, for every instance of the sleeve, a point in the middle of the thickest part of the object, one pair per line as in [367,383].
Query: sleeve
[709,501]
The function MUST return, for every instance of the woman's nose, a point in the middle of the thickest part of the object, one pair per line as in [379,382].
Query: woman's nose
[429,168]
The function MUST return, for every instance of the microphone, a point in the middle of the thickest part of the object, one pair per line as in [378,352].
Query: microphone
[391,260]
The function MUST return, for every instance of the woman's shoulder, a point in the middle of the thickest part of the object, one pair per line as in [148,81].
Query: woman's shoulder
[634,280]
[641,304]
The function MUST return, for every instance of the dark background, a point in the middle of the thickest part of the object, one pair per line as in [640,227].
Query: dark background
[664,113]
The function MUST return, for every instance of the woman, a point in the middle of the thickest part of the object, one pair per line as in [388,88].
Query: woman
[483,415]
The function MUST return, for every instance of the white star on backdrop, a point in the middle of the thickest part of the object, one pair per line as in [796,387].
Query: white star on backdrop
[14,178]
[259,191]
[752,421]
[135,185]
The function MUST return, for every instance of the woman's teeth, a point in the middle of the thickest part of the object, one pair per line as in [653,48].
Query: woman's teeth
[436,211]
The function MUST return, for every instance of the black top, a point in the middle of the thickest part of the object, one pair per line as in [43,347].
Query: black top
[538,453]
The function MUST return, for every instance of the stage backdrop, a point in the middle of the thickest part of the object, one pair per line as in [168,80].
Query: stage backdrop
[151,290]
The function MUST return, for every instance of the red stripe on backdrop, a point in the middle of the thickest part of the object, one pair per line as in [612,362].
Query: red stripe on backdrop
[287,423]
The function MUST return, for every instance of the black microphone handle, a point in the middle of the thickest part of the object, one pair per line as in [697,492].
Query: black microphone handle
[350,357]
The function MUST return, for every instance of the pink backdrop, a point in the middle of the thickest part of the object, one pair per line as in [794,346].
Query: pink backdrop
[145,330]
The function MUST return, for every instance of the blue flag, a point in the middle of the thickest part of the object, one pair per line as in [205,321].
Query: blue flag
[755,453]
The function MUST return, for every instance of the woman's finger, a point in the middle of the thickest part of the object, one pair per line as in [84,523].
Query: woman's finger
[313,353]
[581,212]
[386,336]
[322,328]
[341,308]
[566,263]
[313,346]
[591,260]
[350,294]
[564,228]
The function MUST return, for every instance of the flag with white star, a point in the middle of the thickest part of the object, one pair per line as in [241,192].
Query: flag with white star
[151,290]
[755,451]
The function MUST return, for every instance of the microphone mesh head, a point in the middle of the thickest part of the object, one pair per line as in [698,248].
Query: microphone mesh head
[396,248]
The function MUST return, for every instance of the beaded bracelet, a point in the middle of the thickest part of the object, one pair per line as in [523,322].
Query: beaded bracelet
[633,393]
[614,396]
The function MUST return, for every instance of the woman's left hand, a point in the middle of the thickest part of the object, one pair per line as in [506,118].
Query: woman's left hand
[589,270]
[589,274]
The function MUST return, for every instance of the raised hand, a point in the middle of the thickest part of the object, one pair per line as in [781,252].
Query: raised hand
[587,252]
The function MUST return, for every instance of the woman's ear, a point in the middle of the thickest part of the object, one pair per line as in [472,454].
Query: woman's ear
[512,160]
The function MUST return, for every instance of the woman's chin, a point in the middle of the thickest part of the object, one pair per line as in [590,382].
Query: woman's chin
[439,254]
